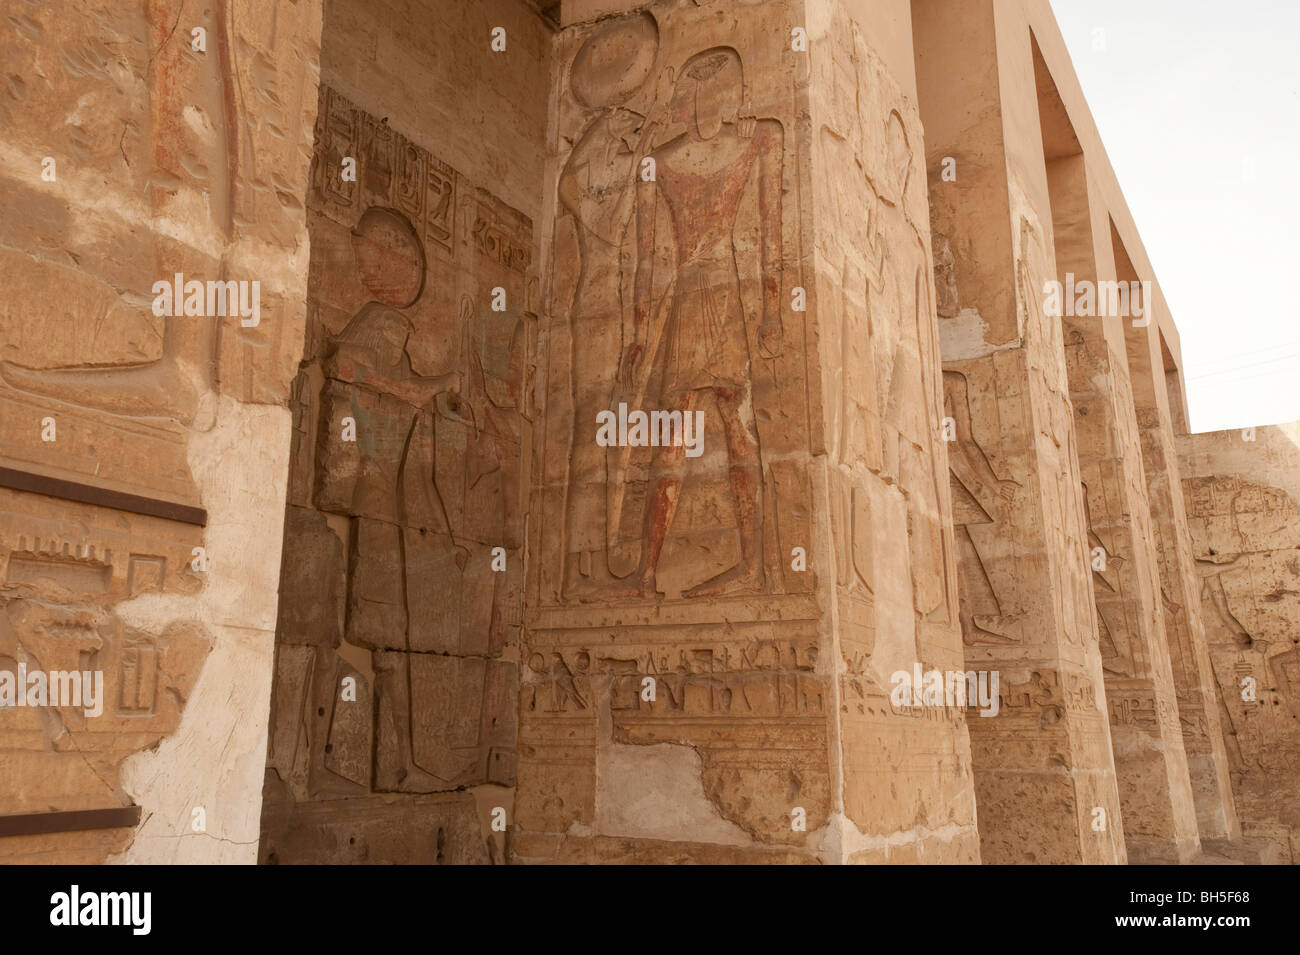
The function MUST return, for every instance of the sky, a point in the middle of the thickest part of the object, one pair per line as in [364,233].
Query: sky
[1198,105]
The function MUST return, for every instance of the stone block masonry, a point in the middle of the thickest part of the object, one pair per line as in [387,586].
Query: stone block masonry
[557,432]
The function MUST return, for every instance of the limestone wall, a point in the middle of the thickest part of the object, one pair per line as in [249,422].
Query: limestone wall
[1045,775]
[1243,508]
[895,563]
[384,568]
[146,141]
[393,722]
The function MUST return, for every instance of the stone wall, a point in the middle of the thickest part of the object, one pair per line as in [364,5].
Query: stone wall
[1243,507]
[145,453]
[1045,774]
[400,598]
[629,399]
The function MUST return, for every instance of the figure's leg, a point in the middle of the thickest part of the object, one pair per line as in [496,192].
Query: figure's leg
[737,411]
[666,473]
[585,500]
[324,683]
[665,493]
[395,766]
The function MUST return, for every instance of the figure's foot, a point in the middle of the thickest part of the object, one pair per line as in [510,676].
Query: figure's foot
[739,579]
[635,587]
[988,630]
[326,780]
[411,779]
[154,390]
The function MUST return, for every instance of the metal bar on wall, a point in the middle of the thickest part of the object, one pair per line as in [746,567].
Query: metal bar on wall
[102,497]
[38,823]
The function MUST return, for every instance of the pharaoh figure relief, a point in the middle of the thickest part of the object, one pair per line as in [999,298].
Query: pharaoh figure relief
[381,476]
[406,457]
[686,344]
[699,327]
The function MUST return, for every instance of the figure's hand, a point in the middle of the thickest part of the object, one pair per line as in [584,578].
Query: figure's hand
[1007,490]
[769,339]
[746,122]
[449,382]
[632,363]
[451,405]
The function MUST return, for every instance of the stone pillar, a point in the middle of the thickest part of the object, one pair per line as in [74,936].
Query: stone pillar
[1155,792]
[711,639]
[144,431]
[1158,396]
[1044,775]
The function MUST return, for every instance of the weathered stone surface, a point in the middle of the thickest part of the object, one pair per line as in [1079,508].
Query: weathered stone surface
[669,294]
[684,676]
[129,159]
[1199,711]
[311,581]
[410,427]
[59,596]
[819,232]
[423,830]
[1043,766]
[1243,510]
[889,515]
[1154,785]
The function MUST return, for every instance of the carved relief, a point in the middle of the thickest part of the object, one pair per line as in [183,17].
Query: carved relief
[699,324]
[688,281]
[981,506]
[596,190]
[175,169]
[669,313]
[63,568]
[676,229]
[1115,636]
[400,583]
[1244,536]
[895,561]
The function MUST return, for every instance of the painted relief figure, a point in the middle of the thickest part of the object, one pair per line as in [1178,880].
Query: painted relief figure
[596,190]
[699,326]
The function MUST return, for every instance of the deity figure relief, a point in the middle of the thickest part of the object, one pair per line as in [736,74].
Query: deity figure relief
[1114,636]
[700,175]
[595,190]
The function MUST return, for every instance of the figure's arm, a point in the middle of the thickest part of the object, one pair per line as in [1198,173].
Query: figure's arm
[355,365]
[420,391]
[568,191]
[875,249]
[771,150]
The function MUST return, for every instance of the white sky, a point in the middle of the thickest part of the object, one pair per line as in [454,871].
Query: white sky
[1198,104]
